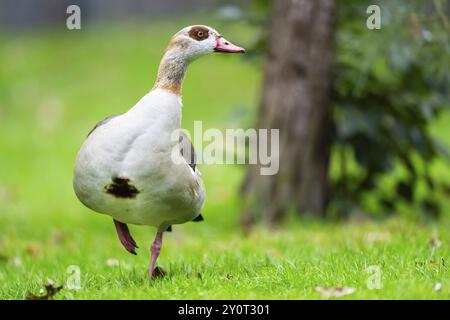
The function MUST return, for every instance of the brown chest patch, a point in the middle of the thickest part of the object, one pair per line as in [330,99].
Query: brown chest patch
[121,188]
[199,33]
[175,88]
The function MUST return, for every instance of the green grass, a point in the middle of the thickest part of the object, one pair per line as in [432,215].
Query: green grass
[55,86]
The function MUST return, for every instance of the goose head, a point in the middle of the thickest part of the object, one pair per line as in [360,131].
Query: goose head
[194,41]
[185,46]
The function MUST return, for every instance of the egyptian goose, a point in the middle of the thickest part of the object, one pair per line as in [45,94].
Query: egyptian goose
[127,167]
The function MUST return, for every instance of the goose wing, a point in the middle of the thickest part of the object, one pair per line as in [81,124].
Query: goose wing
[104,121]
[187,151]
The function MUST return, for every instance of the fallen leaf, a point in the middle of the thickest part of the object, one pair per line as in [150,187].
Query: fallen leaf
[33,249]
[435,243]
[50,291]
[431,264]
[16,261]
[437,287]
[57,236]
[335,292]
[372,237]
[274,253]
[112,263]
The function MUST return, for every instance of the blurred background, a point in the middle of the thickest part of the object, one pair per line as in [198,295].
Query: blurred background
[363,118]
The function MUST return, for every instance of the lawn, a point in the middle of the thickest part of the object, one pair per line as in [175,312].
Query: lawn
[54,86]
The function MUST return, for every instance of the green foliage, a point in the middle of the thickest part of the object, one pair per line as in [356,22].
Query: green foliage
[388,86]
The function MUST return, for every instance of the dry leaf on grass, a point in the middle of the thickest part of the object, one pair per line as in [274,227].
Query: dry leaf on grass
[431,264]
[373,237]
[33,249]
[438,287]
[274,253]
[112,263]
[16,261]
[50,289]
[435,243]
[335,292]
[57,236]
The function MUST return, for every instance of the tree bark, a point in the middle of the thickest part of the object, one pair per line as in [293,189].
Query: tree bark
[295,100]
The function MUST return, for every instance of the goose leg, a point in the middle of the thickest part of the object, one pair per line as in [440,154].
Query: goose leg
[155,249]
[125,237]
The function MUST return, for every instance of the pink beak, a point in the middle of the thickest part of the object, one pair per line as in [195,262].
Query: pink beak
[223,45]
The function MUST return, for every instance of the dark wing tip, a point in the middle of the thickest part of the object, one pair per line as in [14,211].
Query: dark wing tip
[198,218]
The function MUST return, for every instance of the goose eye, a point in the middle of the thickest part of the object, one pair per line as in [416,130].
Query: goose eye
[198,33]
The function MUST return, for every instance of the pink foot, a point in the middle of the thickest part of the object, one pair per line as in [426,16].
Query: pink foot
[125,237]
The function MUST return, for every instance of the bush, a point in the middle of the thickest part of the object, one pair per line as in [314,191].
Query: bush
[388,86]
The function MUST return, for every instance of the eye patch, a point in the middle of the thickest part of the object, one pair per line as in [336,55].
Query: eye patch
[199,33]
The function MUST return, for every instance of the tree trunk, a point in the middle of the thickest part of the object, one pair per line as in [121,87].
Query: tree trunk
[295,99]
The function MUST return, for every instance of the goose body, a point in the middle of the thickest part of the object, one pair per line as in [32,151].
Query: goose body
[125,167]
[137,167]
